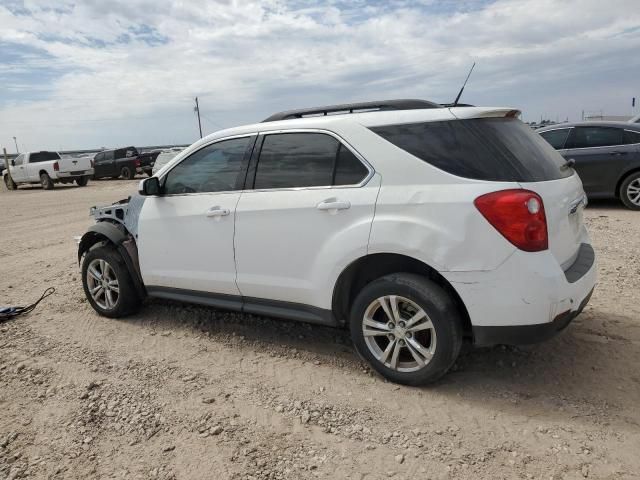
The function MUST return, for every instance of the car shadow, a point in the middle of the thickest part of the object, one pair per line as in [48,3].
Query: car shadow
[609,203]
[563,376]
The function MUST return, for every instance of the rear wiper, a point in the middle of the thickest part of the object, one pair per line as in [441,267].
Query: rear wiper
[568,164]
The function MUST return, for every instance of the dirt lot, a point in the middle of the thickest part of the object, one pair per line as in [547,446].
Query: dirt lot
[187,392]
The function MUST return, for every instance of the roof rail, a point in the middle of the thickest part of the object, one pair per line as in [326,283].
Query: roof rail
[403,104]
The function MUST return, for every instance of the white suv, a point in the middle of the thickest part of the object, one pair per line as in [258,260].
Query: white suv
[414,224]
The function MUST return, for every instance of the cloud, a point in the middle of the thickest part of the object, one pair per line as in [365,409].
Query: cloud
[125,72]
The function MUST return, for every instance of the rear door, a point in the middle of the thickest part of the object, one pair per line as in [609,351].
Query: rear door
[304,191]
[600,154]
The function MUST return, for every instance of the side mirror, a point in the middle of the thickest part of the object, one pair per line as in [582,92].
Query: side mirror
[149,186]
[13,162]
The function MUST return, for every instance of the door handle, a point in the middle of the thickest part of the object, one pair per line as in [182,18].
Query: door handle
[333,204]
[217,212]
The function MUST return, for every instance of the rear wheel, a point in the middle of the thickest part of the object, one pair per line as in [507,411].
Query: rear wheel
[82,181]
[45,181]
[10,184]
[630,191]
[107,283]
[125,173]
[407,327]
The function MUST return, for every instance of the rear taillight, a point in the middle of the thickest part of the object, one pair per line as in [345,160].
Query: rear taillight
[137,163]
[518,215]
[56,166]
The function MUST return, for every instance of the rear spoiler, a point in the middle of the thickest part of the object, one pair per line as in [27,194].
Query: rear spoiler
[462,113]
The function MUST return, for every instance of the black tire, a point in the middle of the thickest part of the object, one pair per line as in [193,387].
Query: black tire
[125,173]
[127,301]
[628,196]
[45,181]
[441,310]
[82,181]
[9,183]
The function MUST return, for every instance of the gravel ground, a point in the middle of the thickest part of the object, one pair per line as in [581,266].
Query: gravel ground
[184,392]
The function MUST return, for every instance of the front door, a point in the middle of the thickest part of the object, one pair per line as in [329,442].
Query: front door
[186,233]
[309,205]
[18,169]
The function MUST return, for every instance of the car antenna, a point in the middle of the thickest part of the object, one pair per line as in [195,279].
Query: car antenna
[455,102]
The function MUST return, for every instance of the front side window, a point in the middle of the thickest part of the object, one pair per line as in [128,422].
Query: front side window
[556,138]
[99,157]
[19,159]
[214,168]
[298,160]
[108,155]
[589,137]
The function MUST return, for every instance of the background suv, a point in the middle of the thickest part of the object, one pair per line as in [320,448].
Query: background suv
[606,156]
[413,224]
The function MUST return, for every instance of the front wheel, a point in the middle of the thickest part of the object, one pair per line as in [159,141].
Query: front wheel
[45,181]
[9,183]
[82,181]
[407,328]
[125,173]
[107,283]
[630,191]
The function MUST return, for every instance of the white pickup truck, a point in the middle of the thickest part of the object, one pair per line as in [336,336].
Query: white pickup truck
[47,168]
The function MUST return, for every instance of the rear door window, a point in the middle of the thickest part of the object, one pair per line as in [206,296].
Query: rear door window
[556,138]
[631,137]
[590,137]
[299,160]
[493,149]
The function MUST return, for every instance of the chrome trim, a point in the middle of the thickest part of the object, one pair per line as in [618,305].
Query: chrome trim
[367,165]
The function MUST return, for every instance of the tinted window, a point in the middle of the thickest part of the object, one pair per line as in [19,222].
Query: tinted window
[585,137]
[556,138]
[19,159]
[214,168]
[495,149]
[37,157]
[349,170]
[108,155]
[631,137]
[296,160]
[99,157]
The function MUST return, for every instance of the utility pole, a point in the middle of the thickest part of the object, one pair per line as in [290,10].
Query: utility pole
[197,110]
[16,142]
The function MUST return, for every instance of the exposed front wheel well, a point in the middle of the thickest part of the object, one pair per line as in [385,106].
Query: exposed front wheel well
[367,269]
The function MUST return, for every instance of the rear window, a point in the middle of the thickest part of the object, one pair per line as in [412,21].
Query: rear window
[37,157]
[494,149]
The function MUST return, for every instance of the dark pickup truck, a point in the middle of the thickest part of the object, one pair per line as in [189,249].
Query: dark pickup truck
[123,163]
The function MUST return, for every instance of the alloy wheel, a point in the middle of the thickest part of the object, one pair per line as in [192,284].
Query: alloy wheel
[399,333]
[633,192]
[103,284]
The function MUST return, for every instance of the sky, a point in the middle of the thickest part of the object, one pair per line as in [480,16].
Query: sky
[89,74]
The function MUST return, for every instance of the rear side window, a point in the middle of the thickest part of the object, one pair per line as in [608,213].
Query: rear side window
[291,160]
[589,137]
[631,137]
[493,149]
[556,138]
[38,157]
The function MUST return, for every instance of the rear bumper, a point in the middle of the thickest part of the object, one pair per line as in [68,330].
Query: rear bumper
[526,334]
[528,298]
[75,174]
